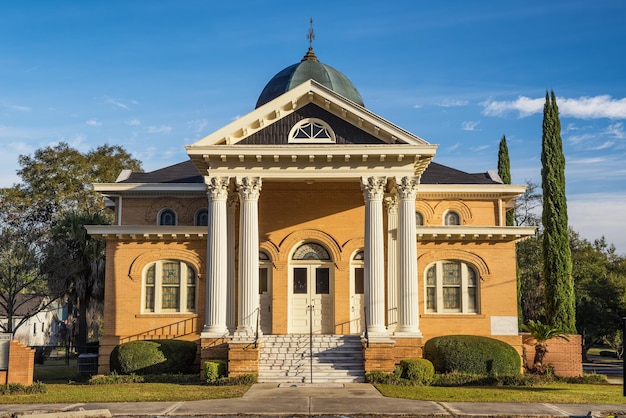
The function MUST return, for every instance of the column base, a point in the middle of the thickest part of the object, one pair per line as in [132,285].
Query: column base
[408,333]
[214,334]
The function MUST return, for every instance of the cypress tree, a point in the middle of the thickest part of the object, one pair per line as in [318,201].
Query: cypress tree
[557,270]
[504,171]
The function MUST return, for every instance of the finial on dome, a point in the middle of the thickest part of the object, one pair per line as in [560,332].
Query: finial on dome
[310,55]
[311,34]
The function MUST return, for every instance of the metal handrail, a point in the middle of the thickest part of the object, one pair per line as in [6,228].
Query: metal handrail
[366,334]
[175,326]
[256,332]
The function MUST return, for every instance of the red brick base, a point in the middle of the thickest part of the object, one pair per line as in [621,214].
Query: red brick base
[564,357]
[21,365]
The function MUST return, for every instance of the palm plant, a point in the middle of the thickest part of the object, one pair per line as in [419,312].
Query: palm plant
[542,333]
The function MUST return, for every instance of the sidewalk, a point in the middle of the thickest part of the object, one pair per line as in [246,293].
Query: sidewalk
[345,400]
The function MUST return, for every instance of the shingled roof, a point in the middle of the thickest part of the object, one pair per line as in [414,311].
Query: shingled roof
[186,172]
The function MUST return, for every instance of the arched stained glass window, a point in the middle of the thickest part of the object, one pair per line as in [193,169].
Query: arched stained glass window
[311,251]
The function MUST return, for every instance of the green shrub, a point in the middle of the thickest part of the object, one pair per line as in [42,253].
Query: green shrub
[213,370]
[457,379]
[242,379]
[383,378]
[19,389]
[472,354]
[114,378]
[418,370]
[153,357]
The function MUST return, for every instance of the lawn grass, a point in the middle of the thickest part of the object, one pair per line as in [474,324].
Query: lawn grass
[549,393]
[130,392]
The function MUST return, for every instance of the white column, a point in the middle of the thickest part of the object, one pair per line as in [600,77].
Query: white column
[216,275]
[249,189]
[373,191]
[408,310]
[391,202]
[231,296]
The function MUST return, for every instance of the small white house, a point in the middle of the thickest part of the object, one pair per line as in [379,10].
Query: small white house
[41,329]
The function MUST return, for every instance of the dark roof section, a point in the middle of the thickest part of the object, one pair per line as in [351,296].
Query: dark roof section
[441,174]
[25,304]
[186,172]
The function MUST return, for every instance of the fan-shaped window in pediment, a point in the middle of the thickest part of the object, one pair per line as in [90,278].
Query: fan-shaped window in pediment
[311,131]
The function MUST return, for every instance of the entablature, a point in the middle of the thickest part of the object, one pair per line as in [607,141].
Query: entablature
[474,234]
[148,233]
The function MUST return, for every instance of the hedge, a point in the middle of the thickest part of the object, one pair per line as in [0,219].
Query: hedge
[153,357]
[472,354]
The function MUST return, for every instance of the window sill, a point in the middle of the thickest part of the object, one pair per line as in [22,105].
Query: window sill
[453,315]
[166,315]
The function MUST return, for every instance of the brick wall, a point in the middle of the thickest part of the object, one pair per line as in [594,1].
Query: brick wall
[21,364]
[565,357]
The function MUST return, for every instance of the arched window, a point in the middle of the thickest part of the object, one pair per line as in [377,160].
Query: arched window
[311,130]
[311,251]
[419,219]
[451,287]
[452,218]
[202,217]
[169,286]
[167,217]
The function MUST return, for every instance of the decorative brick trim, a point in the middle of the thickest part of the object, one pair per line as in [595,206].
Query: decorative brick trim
[138,264]
[427,257]
[309,235]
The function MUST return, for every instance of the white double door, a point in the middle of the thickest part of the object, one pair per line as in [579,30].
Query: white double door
[311,298]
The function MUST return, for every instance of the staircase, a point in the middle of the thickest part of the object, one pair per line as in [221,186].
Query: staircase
[287,359]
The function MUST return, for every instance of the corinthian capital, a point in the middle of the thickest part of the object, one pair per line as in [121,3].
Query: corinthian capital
[407,187]
[249,188]
[217,187]
[373,187]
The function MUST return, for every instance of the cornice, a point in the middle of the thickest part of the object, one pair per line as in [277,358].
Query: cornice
[473,233]
[151,189]
[148,233]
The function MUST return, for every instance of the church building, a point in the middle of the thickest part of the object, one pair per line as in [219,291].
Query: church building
[309,240]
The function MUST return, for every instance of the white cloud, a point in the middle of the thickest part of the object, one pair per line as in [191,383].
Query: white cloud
[597,107]
[134,122]
[616,130]
[117,103]
[417,106]
[453,103]
[198,125]
[18,108]
[93,122]
[163,129]
[470,125]
[524,105]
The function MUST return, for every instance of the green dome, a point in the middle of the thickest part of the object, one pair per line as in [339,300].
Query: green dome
[309,68]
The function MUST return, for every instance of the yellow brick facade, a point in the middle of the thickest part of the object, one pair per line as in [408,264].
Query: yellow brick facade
[330,214]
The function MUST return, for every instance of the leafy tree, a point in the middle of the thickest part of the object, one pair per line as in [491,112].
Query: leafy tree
[85,286]
[600,282]
[58,179]
[531,294]
[557,266]
[542,333]
[24,276]
[527,205]
[504,171]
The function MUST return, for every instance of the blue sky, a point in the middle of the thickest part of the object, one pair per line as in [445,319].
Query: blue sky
[156,75]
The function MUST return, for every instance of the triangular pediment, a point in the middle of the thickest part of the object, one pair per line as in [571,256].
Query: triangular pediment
[314,99]
[357,142]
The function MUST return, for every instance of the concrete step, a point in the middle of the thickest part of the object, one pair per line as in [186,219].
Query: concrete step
[287,358]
